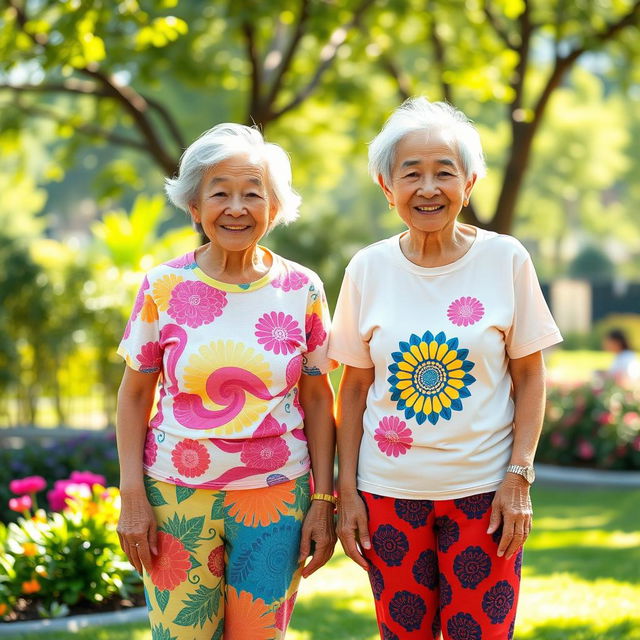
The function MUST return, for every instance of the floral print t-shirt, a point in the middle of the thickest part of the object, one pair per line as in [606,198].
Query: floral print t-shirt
[230,357]
[438,423]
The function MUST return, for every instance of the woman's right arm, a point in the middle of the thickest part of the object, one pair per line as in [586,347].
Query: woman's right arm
[137,524]
[352,514]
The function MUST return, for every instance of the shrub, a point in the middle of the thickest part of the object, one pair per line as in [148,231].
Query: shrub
[593,425]
[89,450]
[54,561]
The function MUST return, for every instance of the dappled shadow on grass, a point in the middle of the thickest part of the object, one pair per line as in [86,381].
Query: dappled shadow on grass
[625,630]
[586,563]
[327,617]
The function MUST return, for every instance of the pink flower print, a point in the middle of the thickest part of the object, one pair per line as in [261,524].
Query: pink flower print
[127,330]
[267,454]
[150,449]
[393,436]
[291,281]
[465,311]
[316,335]
[278,332]
[186,260]
[190,458]
[196,303]
[269,427]
[150,357]
[139,303]
[294,369]
[284,611]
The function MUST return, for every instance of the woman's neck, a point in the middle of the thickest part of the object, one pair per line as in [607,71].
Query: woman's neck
[437,249]
[234,267]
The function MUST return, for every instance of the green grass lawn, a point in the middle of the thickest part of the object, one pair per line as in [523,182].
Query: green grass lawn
[581,579]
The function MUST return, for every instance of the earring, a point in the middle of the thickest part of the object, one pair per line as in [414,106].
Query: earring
[391,205]
[466,202]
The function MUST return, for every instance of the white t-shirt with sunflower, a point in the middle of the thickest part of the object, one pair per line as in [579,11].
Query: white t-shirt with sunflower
[439,415]
[230,359]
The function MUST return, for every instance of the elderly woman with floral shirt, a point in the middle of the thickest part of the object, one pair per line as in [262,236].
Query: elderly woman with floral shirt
[440,329]
[216,510]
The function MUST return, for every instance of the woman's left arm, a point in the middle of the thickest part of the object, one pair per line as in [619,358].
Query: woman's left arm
[316,398]
[512,503]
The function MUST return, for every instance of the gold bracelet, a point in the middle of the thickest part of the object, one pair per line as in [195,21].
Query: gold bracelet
[327,497]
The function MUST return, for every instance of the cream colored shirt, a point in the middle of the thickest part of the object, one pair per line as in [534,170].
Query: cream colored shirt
[439,415]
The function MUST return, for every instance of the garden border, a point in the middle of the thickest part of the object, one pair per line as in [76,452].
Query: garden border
[549,474]
[74,623]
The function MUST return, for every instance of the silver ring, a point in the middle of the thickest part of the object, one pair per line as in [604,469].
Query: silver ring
[137,544]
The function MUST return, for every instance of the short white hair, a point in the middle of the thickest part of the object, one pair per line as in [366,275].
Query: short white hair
[418,114]
[222,142]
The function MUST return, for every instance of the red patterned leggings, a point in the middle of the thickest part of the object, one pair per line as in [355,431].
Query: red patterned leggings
[434,569]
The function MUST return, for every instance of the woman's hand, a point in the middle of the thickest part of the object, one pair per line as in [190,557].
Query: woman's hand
[353,528]
[318,528]
[137,529]
[512,507]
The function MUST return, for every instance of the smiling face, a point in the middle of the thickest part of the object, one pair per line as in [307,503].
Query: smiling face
[235,205]
[428,184]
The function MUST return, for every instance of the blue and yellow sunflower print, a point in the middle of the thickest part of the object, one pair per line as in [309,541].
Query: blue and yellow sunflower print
[429,377]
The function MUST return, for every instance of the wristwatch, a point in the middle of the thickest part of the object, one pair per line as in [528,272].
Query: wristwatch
[528,473]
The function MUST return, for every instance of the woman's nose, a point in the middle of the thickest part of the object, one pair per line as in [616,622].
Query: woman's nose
[428,187]
[236,207]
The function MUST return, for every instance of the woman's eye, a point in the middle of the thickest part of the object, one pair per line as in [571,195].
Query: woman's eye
[413,174]
[219,194]
[445,174]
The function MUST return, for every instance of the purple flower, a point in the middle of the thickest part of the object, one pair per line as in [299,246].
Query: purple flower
[474,507]
[448,532]
[498,601]
[465,311]
[463,626]
[390,544]
[472,566]
[387,634]
[446,594]
[425,569]
[415,512]
[408,610]
[377,581]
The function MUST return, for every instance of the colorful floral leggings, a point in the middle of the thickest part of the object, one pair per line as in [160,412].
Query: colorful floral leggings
[227,561]
[435,569]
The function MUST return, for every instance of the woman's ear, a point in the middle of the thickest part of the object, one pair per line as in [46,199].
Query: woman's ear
[387,192]
[195,214]
[468,188]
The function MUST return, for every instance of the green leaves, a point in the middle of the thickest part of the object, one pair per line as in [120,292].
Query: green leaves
[154,496]
[162,598]
[200,607]
[187,531]
[183,493]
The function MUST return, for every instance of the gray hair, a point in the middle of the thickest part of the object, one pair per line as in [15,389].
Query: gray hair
[224,141]
[418,114]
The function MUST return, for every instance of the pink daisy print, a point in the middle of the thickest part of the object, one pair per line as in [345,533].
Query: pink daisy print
[150,357]
[196,303]
[316,335]
[465,311]
[291,281]
[190,458]
[267,454]
[150,449]
[393,436]
[279,333]
[269,427]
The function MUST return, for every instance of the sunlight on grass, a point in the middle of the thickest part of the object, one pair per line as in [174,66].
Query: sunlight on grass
[576,366]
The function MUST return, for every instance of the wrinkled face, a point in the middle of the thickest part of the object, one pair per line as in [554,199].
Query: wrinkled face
[428,184]
[235,205]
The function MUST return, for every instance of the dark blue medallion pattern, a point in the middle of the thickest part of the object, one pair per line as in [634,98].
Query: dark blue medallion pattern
[390,544]
[448,532]
[425,569]
[408,610]
[472,566]
[498,601]
[463,626]
[474,507]
[415,512]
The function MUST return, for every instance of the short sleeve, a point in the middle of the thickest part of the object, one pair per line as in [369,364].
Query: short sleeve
[140,344]
[533,327]
[317,326]
[346,343]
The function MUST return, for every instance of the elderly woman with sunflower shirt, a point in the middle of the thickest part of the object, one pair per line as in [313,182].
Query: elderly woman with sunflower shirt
[216,511]
[440,405]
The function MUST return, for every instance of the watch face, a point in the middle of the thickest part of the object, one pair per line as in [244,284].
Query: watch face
[529,474]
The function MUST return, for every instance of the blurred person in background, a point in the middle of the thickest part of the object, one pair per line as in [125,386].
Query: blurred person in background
[625,368]
[440,407]
[216,509]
